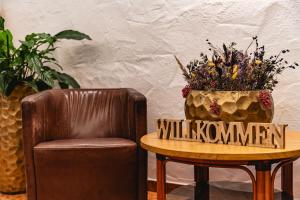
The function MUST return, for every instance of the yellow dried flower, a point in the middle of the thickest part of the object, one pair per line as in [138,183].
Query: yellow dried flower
[258,62]
[235,68]
[235,71]
[212,72]
[210,63]
[234,76]
[193,75]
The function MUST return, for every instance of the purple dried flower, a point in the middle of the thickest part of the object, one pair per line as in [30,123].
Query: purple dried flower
[235,70]
[215,108]
[266,99]
[185,91]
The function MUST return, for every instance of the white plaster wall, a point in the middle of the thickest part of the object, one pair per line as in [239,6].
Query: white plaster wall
[134,42]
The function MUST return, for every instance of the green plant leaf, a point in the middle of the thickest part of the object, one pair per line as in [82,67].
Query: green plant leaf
[35,40]
[58,65]
[2,21]
[29,43]
[46,36]
[67,79]
[42,85]
[47,78]
[27,64]
[63,85]
[33,85]
[30,37]
[71,34]
[11,86]
[3,84]
[34,63]
[6,40]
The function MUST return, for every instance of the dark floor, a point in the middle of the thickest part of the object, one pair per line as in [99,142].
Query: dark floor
[217,191]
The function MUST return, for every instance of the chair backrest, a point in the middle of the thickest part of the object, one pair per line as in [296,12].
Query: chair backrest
[87,113]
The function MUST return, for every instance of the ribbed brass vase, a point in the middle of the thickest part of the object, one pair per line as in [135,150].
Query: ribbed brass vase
[12,176]
[229,106]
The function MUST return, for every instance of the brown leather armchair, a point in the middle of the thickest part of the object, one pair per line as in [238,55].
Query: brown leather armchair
[83,144]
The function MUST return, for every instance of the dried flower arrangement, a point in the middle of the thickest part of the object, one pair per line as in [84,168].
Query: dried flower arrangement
[230,69]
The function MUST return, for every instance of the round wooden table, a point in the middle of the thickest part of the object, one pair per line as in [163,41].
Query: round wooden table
[203,156]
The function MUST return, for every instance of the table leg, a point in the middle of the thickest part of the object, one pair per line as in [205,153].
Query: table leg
[161,177]
[201,177]
[263,182]
[287,181]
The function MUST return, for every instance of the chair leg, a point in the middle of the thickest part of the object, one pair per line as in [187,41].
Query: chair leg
[201,177]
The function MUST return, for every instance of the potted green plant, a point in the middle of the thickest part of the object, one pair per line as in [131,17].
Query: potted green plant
[232,85]
[26,69]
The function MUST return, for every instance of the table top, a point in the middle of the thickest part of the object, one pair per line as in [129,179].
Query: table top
[221,152]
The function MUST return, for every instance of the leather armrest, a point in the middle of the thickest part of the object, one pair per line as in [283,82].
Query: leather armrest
[137,121]
[137,115]
[33,113]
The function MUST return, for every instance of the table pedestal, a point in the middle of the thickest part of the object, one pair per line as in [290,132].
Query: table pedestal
[201,177]
[287,181]
[262,183]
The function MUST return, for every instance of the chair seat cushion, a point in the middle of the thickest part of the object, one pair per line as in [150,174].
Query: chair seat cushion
[77,169]
[86,143]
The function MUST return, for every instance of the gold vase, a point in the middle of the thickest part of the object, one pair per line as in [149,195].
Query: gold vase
[229,106]
[12,175]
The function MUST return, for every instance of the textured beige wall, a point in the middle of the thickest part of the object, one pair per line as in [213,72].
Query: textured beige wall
[134,42]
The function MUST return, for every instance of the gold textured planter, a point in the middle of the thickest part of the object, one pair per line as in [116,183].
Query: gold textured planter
[12,176]
[244,106]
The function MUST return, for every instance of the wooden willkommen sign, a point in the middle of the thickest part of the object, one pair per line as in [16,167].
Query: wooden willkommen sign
[233,133]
